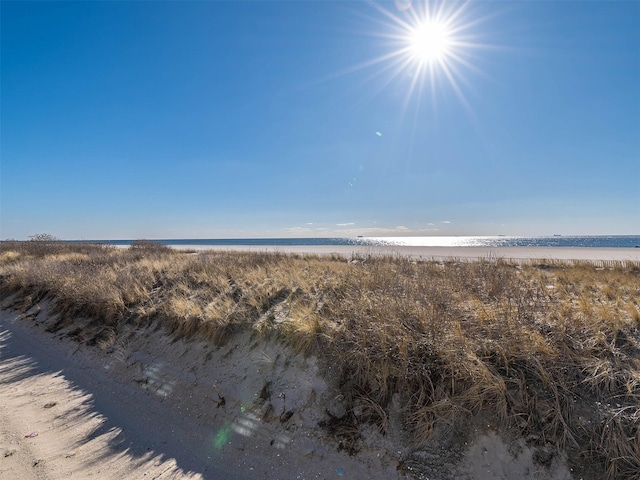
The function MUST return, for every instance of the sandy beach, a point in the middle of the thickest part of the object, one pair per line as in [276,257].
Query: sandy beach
[440,253]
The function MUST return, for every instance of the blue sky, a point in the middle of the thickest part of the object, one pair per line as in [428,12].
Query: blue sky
[276,119]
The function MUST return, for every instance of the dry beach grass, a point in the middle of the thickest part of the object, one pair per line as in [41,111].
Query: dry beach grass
[548,349]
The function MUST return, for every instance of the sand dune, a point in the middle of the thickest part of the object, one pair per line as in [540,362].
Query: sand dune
[146,408]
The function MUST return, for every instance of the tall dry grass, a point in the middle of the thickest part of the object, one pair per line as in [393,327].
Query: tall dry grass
[549,348]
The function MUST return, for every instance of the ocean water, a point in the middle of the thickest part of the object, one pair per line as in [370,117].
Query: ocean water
[598,241]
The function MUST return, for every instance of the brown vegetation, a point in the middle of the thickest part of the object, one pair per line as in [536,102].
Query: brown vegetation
[551,349]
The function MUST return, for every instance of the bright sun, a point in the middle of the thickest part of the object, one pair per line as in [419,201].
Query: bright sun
[430,42]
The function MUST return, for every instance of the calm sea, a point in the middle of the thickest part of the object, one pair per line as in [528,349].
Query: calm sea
[604,241]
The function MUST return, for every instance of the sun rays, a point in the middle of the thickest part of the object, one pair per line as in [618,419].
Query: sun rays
[432,46]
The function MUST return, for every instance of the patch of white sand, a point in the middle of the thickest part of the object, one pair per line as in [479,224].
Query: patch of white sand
[440,253]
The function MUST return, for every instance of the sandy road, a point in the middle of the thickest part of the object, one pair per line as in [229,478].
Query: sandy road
[94,419]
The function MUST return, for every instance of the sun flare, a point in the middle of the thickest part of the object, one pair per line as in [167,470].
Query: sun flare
[431,46]
[428,47]
[430,42]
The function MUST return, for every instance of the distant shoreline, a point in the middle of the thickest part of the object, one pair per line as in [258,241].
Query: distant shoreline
[493,241]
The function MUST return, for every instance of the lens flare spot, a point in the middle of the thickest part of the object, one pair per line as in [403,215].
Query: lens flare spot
[403,5]
[222,437]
